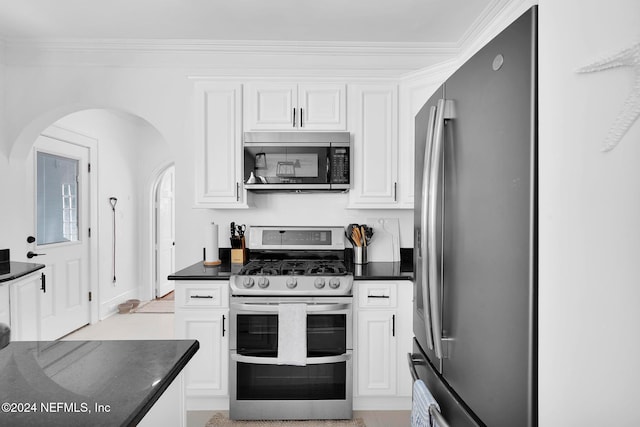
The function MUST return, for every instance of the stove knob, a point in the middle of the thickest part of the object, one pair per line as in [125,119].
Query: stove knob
[334,283]
[247,282]
[292,282]
[263,282]
[319,283]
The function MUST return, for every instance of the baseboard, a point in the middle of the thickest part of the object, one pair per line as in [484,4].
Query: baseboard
[385,403]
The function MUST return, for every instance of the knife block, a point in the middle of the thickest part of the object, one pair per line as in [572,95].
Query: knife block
[238,256]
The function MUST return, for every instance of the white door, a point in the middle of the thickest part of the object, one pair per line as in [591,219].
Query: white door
[62,242]
[165,232]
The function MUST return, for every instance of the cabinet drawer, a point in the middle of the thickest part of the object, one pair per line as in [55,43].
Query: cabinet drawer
[190,295]
[377,294]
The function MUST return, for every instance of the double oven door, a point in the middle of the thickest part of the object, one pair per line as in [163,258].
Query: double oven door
[260,388]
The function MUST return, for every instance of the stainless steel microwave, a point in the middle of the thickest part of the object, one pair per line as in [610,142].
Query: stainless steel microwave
[297,161]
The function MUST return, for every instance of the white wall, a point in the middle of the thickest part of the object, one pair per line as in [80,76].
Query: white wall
[589,219]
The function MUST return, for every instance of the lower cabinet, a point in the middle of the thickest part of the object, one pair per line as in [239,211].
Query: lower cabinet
[5,314]
[26,297]
[383,333]
[202,313]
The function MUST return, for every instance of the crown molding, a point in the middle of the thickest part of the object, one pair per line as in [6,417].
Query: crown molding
[382,58]
[233,46]
[495,18]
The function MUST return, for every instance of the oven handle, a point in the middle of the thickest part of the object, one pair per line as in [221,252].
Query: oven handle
[273,308]
[274,361]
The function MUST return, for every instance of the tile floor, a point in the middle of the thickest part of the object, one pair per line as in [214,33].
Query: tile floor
[160,326]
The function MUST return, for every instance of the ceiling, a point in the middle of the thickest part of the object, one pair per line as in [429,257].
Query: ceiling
[375,21]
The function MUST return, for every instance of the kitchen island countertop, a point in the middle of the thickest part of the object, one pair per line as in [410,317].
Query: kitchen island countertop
[87,383]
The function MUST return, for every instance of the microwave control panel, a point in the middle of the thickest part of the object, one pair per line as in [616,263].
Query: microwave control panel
[340,171]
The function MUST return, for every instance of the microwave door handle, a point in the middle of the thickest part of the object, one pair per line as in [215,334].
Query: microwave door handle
[329,166]
[423,250]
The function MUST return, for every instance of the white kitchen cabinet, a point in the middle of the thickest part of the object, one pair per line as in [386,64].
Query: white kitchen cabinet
[5,316]
[218,161]
[26,296]
[377,350]
[373,116]
[202,313]
[383,333]
[295,106]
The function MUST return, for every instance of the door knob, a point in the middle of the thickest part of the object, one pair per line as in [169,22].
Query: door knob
[31,239]
[31,254]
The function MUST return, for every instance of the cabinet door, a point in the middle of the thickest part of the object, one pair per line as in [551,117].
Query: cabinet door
[206,374]
[25,307]
[404,336]
[376,353]
[375,146]
[322,106]
[271,106]
[5,316]
[219,145]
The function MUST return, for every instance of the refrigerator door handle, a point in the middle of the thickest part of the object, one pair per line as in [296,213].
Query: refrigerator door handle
[444,111]
[423,251]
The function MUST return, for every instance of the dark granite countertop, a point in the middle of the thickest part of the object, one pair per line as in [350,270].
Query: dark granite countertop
[199,271]
[14,269]
[381,271]
[369,271]
[402,270]
[69,378]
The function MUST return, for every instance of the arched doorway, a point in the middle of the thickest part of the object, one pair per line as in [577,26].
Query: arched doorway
[126,154]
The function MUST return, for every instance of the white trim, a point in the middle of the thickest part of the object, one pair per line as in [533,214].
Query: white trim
[77,138]
[251,47]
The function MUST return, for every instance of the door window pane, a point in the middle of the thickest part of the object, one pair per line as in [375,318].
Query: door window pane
[57,199]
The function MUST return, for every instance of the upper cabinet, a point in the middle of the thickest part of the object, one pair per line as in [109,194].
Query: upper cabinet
[293,106]
[373,109]
[219,145]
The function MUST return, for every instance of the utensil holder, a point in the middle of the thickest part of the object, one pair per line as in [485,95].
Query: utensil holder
[359,254]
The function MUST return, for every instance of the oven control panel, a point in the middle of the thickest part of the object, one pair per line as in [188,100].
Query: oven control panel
[291,285]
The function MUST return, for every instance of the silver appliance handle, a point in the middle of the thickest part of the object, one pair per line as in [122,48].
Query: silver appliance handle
[433,409]
[273,308]
[432,248]
[437,416]
[412,367]
[274,361]
[423,252]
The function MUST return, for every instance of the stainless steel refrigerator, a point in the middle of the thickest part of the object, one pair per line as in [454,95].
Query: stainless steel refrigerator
[475,248]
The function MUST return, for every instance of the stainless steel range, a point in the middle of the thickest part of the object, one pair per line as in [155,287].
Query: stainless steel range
[291,327]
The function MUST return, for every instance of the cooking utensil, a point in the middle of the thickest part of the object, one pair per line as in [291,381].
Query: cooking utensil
[355,235]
